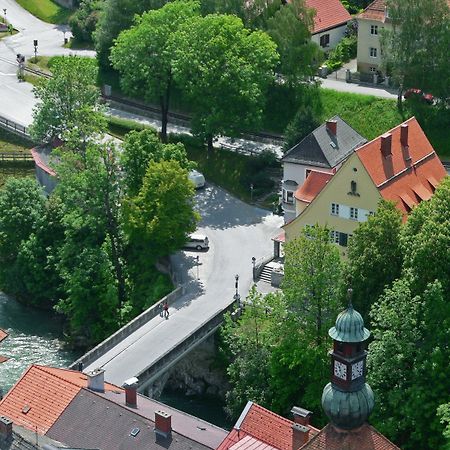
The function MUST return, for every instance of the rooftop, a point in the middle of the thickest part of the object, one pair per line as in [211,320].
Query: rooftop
[406,173]
[315,182]
[329,14]
[375,11]
[324,149]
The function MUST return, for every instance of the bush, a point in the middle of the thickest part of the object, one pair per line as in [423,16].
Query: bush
[344,52]
[84,20]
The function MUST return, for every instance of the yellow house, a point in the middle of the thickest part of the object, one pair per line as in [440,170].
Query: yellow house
[401,166]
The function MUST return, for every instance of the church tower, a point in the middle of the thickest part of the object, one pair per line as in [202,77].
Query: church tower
[348,400]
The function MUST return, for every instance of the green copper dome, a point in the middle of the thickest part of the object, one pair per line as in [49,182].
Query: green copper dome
[347,410]
[349,327]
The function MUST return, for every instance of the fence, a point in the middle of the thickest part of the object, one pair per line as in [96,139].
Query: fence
[15,157]
[15,127]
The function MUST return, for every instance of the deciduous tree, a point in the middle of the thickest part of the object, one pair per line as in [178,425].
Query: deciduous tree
[225,70]
[144,54]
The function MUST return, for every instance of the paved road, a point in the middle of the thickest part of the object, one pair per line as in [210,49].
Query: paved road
[237,232]
[342,86]
[16,98]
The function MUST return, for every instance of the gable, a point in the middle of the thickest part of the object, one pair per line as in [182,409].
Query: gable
[329,14]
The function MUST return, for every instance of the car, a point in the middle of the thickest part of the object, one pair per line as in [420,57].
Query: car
[197,241]
[419,94]
[197,178]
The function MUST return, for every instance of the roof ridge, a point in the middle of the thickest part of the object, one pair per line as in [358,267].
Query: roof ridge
[43,369]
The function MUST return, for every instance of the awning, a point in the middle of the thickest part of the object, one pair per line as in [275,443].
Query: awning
[280,238]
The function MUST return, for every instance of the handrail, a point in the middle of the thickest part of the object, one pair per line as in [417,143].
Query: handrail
[10,125]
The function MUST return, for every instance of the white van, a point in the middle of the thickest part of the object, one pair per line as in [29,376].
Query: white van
[197,178]
[197,241]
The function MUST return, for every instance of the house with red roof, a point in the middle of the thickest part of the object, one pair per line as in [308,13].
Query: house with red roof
[400,166]
[83,411]
[330,22]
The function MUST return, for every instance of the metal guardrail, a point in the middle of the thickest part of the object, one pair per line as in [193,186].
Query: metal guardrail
[10,125]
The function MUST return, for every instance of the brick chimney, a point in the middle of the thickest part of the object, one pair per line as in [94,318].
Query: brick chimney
[386,142]
[332,127]
[130,387]
[301,415]
[404,134]
[163,423]
[96,380]
[6,428]
[300,435]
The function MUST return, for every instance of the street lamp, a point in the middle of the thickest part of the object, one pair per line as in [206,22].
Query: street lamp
[198,263]
[237,297]
[254,268]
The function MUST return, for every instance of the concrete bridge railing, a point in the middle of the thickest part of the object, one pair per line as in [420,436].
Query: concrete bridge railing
[126,330]
[177,352]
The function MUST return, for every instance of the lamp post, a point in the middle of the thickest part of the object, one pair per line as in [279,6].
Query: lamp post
[198,263]
[254,268]
[237,297]
[251,192]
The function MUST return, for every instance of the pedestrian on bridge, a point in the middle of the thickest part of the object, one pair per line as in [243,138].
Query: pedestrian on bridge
[166,310]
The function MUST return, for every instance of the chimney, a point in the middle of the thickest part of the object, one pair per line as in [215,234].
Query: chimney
[301,415]
[404,134]
[130,387]
[96,380]
[5,428]
[163,423]
[386,141]
[300,435]
[332,127]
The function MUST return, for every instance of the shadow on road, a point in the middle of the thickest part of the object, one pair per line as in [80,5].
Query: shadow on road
[219,210]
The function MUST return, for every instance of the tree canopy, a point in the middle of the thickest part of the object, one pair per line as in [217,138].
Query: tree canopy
[224,69]
[144,54]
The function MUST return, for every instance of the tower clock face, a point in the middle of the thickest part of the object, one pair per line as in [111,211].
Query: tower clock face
[340,370]
[357,370]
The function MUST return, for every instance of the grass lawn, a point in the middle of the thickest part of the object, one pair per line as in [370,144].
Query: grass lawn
[10,142]
[7,33]
[46,10]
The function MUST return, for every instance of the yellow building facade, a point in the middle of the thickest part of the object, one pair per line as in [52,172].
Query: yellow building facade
[347,200]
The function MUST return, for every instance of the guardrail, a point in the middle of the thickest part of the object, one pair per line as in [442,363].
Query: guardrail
[15,156]
[126,330]
[260,264]
[173,355]
[15,127]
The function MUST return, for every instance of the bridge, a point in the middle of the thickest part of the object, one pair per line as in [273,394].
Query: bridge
[151,344]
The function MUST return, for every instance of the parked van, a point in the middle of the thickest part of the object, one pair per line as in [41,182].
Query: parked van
[197,178]
[197,241]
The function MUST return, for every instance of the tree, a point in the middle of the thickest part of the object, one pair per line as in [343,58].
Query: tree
[115,16]
[408,361]
[141,147]
[426,239]
[84,20]
[71,90]
[372,264]
[290,28]
[444,414]
[419,39]
[224,70]
[307,118]
[21,206]
[144,55]
[159,218]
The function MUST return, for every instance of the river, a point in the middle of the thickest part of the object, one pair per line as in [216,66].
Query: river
[35,338]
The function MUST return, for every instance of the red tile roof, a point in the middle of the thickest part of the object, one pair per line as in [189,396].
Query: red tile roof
[266,427]
[3,359]
[250,443]
[363,438]
[41,395]
[329,14]
[375,11]
[3,335]
[410,174]
[311,187]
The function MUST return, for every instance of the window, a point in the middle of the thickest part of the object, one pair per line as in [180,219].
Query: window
[373,69]
[288,196]
[374,29]
[335,209]
[354,213]
[353,187]
[334,237]
[343,237]
[325,40]
[373,52]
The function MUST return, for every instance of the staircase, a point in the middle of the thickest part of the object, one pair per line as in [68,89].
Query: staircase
[265,275]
